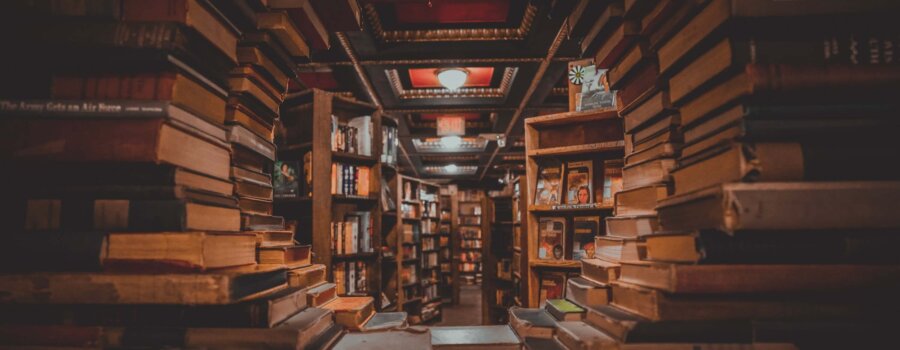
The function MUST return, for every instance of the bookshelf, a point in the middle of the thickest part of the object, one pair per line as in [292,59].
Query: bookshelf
[412,277]
[445,257]
[327,214]
[498,290]
[582,147]
[519,241]
[471,225]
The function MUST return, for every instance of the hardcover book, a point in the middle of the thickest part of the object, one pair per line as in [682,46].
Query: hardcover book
[579,184]
[585,228]
[548,186]
[552,286]
[551,238]
[287,179]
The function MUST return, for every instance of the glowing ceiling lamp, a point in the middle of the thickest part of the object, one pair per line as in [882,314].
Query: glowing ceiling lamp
[451,168]
[451,141]
[452,78]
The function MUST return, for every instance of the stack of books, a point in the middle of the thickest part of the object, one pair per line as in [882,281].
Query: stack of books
[771,206]
[143,195]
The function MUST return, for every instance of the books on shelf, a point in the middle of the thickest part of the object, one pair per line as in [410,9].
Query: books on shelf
[353,235]
[351,277]
[350,180]
[612,181]
[389,144]
[551,285]
[551,238]
[579,182]
[548,187]
[353,136]
[584,229]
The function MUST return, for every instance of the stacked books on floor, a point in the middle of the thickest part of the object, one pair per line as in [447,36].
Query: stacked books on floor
[775,209]
[142,203]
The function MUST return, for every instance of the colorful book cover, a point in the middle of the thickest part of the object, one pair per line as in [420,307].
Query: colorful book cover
[579,186]
[547,190]
[551,238]
[286,179]
[612,181]
[552,285]
[585,228]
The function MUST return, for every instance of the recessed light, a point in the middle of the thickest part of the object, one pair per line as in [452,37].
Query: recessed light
[452,78]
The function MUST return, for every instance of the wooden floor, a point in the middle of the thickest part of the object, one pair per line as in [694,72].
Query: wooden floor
[468,312]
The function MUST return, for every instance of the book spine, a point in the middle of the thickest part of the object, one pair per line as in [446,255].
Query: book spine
[783,77]
[78,140]
[121,87]
[84,108]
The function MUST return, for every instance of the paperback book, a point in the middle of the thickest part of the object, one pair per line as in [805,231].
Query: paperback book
[547,190]
[551,238]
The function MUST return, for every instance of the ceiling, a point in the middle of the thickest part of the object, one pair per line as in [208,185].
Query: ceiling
[388,52]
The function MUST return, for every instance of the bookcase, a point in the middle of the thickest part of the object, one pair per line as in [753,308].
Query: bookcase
[447,263]
[335,208]
[567,155]
[411,248]
[498,290]
[519,241]
[471,225]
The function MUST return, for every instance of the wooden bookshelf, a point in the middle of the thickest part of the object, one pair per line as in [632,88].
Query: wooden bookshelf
[408,225]
[445,251]
[471,216]
[497,251]
[594,136]
[520,240]
[306,118]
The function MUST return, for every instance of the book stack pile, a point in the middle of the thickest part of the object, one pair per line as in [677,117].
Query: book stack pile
[772,229]
[134,220]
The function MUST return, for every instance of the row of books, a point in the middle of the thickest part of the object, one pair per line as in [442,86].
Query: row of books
[353,235]
[351,277]
[350,180]
[579,183]
[389,144]
[352,136]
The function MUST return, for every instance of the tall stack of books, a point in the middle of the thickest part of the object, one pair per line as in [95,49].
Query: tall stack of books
[139,177]
[773,228]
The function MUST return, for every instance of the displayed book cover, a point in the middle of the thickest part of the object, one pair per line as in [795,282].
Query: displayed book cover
[551,238]
[612,181]
[595,93]
[387,196]
[585,228]
[547,189]
[286,180]
[579,187]
[552,285]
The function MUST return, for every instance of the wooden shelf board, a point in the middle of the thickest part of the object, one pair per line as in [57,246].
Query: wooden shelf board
[354,198]
[571,117]
[564,209]
[555,263]
[357,256]
[353,158]
[578,149]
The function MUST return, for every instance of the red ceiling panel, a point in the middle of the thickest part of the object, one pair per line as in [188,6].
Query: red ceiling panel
[452,11]
[434,116]
[426,78]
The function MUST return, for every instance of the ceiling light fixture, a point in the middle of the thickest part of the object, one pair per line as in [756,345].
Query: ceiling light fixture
[452,78]
[451,168]
[451,141]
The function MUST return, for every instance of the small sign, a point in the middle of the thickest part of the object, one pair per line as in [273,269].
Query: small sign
[451,126]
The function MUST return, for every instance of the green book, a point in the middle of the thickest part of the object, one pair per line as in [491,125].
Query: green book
[564,310]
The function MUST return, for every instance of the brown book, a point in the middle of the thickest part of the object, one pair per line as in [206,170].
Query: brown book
[255,206]
[587,293]
[637,55]
[280,25]
[641,200]
[639,85]
[246,80]
[660,306]
[581,336]
[255,222]
[766,161]
[628,328]
[660,126]
[351,312]
[631,226]
[735,279]
[647,110]
[609,19]
[619,249]
[475,337]
[668,134]
[784,205]
[237,113]
[600,271]
[253,189]
[661,150]
[321,294]
[385,340]
[293,256]
[260,59]
[616,43]
[532,323]
[307,277]
[130,215]
[178,88]
[178,250]
[274,238]
[222,286]
[195,14]
[241,174]
[650,172]
[718,13]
